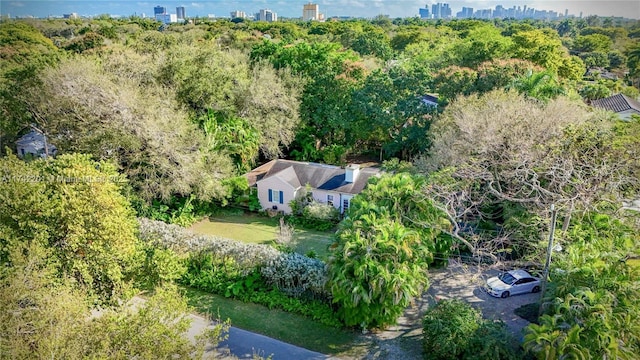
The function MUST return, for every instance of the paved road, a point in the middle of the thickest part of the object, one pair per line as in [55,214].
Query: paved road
[243,344]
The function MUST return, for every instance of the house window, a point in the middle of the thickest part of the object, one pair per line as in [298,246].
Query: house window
[330,200]
[345,205]
[276,196]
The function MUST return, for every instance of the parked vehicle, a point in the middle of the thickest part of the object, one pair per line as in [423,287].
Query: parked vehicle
[512,282]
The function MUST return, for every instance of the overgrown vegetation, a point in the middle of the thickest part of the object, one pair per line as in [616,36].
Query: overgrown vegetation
[452,329]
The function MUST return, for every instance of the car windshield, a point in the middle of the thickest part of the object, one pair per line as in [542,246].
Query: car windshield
[507,278]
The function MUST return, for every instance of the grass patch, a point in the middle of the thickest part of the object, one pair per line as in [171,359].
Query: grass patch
[255,229]
[634,263]
[528,312]
[277,324]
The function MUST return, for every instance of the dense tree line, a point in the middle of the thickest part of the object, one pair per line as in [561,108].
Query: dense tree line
[175,115]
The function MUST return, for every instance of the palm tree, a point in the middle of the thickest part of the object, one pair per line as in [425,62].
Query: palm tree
[542,85]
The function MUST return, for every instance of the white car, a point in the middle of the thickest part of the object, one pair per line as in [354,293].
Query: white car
[512,282]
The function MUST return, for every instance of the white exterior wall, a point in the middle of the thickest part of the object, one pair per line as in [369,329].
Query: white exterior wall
[321,197]
[626,115]
[28,149]
[276,184]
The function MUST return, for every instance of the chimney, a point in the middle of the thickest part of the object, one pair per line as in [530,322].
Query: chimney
[351,173]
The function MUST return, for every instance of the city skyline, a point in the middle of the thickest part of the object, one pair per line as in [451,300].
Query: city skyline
[293,9]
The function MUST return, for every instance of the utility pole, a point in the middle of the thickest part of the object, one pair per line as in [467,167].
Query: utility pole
[552,229]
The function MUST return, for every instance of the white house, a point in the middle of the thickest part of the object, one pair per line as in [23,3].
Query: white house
[33,143]
[620,104]
[279,181]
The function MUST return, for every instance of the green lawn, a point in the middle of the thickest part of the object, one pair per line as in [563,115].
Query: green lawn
[261,230]
[277,324]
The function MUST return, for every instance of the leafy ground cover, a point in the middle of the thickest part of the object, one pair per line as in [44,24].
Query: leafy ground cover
[291,328]
[261,230]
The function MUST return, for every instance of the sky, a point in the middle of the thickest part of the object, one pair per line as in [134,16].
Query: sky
[293,8]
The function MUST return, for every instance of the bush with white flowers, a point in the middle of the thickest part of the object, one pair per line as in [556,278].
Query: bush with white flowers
[292,273]
[295,274]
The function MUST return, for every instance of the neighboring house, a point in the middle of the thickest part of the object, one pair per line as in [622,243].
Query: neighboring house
[430,100]
[279,181]
[33,143]
[599,73]
[620,104]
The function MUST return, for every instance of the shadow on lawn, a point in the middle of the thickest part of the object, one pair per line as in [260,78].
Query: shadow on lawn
[291,328]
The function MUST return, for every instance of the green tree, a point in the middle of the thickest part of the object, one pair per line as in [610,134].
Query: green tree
[453,81]
[540,47]
[402,39]
[542,86]
[25,52]
[592,306]
[592,43]
[481,44]
[448,328]
[389,114]
[382,249]
[44,317]
[141,128]
[74,207]
[371,42]
[500,135]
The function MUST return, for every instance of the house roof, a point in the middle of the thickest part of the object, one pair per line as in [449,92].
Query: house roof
[33,139]
[429,99]
[617,103]
[318,176]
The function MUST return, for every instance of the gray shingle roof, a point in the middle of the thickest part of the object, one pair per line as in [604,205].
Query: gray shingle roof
[617,103]
[34,139]
[318,176]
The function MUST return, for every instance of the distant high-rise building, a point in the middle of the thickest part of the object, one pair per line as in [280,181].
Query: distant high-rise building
[238,14]
[441,11]
[266,15]
[159,10]
[310,12]
[466,13]
[180,13]
[424,12]
[70,16]
[167,18]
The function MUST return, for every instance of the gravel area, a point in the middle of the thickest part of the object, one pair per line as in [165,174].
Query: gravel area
[457,281]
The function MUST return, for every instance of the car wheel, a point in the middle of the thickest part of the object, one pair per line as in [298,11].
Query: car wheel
[504,295]
[536,289]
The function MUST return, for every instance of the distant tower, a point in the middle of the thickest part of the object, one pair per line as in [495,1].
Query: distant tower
[238,14]
[159,10]
[180,13]
[266,15]
[310,12]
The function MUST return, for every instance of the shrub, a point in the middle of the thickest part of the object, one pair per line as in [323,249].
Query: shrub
[295,274]
[320,211]
[455,330]
[285,241]
[245,257]
[491,341]
[448,328]
[159,266]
